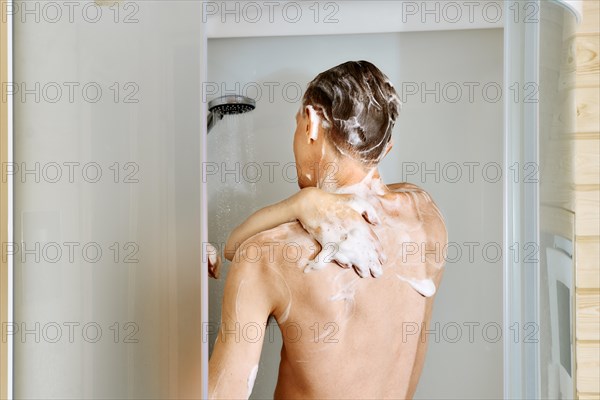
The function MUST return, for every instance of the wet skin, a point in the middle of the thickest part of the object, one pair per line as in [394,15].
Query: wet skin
[343,336]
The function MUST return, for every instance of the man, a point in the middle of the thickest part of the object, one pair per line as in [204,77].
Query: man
[346,334]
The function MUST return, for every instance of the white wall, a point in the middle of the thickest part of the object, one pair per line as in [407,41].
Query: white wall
[159,215]
[426,132]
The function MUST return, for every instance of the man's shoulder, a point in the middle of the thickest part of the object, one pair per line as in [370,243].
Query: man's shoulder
[264,258]
[407,188]
[434,237]
[433,220]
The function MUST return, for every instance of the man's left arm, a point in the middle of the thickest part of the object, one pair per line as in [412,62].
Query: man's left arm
[246,309]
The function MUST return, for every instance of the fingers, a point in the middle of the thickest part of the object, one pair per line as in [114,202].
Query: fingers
[374,266]
[357,245]
[364,264]
[365,260]
[357,262]
[381,256]
[319,261]
[214,270]
[365,209]
[376,270]
[214,262]
[341,260]
[360,271]
[315,264]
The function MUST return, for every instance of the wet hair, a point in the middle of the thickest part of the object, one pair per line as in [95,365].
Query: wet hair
[358,106]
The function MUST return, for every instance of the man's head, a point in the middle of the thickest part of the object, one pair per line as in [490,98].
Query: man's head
[349,110]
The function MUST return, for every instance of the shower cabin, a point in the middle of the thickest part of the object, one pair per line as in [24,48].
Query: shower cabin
[471,90]
[483,87]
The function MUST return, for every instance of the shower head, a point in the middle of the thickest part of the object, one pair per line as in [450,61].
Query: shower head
[228,105]
[231,104]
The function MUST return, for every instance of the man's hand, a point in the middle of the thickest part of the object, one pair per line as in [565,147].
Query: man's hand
[214,261]
[342,224]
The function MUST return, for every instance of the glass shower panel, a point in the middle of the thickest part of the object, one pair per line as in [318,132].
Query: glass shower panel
[107,200]
[557,111]
[520,203]
[539,226]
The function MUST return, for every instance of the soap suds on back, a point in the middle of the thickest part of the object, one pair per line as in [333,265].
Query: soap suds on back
[345,283]
[285,315]
[251,379]
[425,287]
[365,191]
[353,244]
[237,299]
[215,394]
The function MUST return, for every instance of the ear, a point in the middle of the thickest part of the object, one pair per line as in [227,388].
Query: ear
[314,121]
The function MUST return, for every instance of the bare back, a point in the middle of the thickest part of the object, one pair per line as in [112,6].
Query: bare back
[351,337]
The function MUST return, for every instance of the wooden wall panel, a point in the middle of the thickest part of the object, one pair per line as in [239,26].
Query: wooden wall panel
[587,118]
[586,161]
[586,48]
[586,166]
[588,316]
[587,204]
[591,17]
[588,258]
[588,396]
[588,368]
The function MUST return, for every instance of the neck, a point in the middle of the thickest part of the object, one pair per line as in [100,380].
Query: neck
[343,172]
